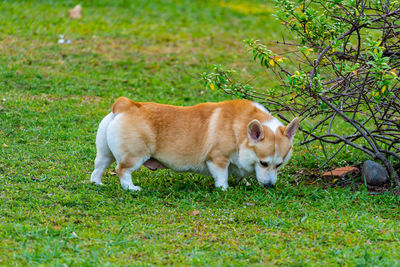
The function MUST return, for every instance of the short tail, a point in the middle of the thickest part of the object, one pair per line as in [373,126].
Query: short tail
[123,104]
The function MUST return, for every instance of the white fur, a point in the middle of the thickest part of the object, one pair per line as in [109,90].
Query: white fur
[261,107]
[266,176]
[126,180]
[104,156]
[246,159]
[113,137]
[213,122]
[220,175]
[107,144]
[273,124]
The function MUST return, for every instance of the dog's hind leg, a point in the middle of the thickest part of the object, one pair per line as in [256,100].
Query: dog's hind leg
[128,148]
[104,156]
[125,169]
[101,163]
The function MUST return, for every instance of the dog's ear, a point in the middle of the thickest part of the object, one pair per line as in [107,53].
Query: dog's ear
[255,131]
[291,128]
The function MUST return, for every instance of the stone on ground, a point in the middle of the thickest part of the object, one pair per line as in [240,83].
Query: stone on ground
[374,173]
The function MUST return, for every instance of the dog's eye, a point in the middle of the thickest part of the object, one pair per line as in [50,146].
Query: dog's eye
[263,163]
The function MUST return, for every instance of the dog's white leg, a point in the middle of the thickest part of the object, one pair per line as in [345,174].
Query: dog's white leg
[100,165]
[104,156]
[126,181]
[124,172]
[220,175]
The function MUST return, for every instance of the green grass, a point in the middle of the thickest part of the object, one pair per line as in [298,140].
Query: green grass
[53,96]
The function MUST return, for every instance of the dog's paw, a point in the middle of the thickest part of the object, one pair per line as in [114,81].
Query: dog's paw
[222,187]
[96,182]
[132,187]
[135,188]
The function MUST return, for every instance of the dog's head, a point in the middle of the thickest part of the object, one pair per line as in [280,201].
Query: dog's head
[271,143]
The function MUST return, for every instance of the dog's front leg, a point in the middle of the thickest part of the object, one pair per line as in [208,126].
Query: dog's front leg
[219,171]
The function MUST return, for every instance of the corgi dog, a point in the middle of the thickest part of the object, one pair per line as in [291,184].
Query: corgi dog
[238,137]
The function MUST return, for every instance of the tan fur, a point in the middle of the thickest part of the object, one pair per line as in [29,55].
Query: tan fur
[179,134]
[205,138]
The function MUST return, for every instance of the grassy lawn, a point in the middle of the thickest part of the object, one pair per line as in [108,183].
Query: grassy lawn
[53,96]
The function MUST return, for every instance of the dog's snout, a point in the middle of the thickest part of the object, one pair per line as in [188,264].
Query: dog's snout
[269,185]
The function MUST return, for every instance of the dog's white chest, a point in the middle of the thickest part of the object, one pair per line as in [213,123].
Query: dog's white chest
[242,164]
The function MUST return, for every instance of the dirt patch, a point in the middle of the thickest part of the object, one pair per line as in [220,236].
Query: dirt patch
[352,181]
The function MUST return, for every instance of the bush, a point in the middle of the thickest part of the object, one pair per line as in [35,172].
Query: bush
[343,70]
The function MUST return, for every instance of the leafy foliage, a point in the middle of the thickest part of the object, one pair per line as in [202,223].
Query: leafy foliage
[342,67]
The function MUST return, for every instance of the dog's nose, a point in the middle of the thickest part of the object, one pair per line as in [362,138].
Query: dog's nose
[269,185]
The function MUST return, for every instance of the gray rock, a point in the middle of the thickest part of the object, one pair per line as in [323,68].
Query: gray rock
[374,173]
